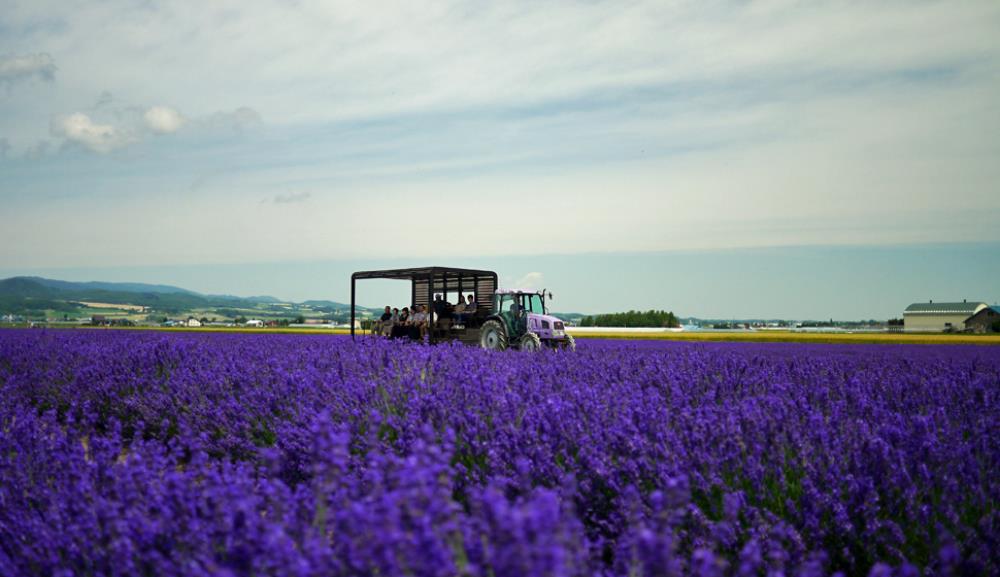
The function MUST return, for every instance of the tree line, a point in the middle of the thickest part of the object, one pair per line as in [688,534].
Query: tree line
[650,318]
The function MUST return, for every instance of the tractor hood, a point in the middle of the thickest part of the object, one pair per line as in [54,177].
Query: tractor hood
[546,326]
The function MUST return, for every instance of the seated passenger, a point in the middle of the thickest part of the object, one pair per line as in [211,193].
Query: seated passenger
[389,326]
[379,326]
[400,329]
[442,311]
[442,308]
[464,311]
[419,322]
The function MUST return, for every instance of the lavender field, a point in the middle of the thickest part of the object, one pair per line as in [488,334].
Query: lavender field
[141,453]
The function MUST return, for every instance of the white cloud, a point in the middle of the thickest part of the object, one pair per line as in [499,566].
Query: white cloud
[163,120]
[648,125]
[18,68]
[332,60]
[127,125]
[78,128]
[532,280]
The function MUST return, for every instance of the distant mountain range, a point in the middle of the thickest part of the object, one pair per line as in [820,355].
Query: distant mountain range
[24,295]
[131,287]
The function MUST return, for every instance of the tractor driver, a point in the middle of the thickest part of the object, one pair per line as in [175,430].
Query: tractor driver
[520,319]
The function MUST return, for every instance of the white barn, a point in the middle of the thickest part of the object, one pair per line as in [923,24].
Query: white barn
[939,317]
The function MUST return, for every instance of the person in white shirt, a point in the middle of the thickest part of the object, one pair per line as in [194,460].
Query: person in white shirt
[393,321]
[382,326]
[419,320]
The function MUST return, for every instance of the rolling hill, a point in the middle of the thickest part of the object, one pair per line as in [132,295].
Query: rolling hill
[32,296]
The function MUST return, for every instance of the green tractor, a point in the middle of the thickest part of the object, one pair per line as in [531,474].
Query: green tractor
[520,320]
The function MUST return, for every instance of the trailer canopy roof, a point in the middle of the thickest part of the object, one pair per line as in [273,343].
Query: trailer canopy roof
[436,273]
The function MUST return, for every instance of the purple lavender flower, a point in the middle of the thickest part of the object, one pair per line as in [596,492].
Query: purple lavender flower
[124,453]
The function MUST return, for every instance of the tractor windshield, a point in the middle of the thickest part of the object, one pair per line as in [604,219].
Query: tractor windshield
[533,303]
[526,302]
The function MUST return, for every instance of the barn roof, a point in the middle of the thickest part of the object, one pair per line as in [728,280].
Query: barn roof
[967,308]
[995,309]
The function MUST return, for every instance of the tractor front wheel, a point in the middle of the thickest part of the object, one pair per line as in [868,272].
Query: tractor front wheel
[570,343]
[493,336]
[529,342]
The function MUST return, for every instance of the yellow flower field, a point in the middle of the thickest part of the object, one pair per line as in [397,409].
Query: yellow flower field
[790,336]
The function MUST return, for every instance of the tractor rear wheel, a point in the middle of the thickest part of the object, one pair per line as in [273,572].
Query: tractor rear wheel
[529,342]
[493,336]
[570,344]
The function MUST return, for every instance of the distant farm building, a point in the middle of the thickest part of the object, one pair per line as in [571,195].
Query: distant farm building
[193,322]
[986,320]
[255,323]
[938,317]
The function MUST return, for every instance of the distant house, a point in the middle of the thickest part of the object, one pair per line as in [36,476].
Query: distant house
[255,323]
[939,317]
[193,322]
[985,321]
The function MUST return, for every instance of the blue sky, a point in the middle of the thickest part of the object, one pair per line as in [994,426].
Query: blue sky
[844,283]
[648,141]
